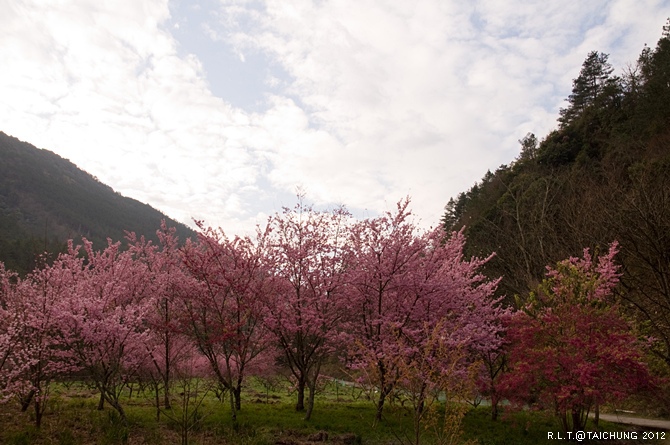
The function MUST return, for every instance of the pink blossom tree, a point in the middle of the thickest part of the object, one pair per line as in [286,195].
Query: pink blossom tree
[305,306]
[189,376]
[32,352]
[222,314]
[103,318]
[402,284]
[167,282]
[14,358]
[41,339]
[493,367]
[571,350]
[434,367]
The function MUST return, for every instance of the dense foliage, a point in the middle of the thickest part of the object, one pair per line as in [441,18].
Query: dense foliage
[570,348]
[401,311]
[381,297]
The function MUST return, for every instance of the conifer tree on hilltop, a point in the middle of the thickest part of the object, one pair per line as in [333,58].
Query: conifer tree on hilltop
[593,81]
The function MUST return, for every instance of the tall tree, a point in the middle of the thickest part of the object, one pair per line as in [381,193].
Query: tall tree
[104,317]
[593,80]
[14,358]
[41,339]
[224,307]
[404,283]
[654,67]
[306,305]
[640,216]
[167,283]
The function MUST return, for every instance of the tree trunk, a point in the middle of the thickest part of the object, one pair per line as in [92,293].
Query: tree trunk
[166,393]
[578,423]
[494,407]
[39,410]
[233,410]
[237,392]
[385,389]
[158,402]
[418,414]
[310,400]
[119,409]
[300,404]
[380,405]
[25,402]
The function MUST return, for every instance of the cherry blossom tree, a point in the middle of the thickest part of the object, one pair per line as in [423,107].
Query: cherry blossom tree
[305,307]
[189,375]
[493,367]
[433,368]
[223,310]
[41,339]
[103,318]
[168,281]
[402,283]
[14,358]
[571,350]
[32,352]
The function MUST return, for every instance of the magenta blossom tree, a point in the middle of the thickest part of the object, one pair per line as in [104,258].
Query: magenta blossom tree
[571,350]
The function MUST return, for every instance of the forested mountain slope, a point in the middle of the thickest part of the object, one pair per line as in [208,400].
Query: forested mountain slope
[46,200]
[602,175]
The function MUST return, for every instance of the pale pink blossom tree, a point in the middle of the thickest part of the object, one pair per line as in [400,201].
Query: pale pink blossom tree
[41,339]
[14,358]
[103,318]
[307,251]
[167,284]
[32,351]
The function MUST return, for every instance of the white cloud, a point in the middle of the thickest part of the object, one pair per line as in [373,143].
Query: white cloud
[373,100]
[106,89]
[428,95]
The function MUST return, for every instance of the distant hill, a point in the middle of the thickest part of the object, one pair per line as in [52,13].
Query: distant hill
[46,200]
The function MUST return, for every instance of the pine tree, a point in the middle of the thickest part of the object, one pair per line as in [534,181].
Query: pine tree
[594,78]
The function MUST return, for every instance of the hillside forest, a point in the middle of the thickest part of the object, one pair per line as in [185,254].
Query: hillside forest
[547,286]
[46,200]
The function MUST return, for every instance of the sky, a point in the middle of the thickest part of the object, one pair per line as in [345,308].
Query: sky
[223,110]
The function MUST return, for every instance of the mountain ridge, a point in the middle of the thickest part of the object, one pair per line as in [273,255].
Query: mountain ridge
[46,199]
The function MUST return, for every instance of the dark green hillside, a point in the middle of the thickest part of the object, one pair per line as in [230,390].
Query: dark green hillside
[602,175]
[46,200]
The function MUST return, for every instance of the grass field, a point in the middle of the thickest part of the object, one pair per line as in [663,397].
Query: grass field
[341,416]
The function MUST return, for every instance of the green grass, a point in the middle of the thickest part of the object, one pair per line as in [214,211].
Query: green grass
[72,419]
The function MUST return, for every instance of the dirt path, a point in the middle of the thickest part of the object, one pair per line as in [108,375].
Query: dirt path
[641,423]
[637,421]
